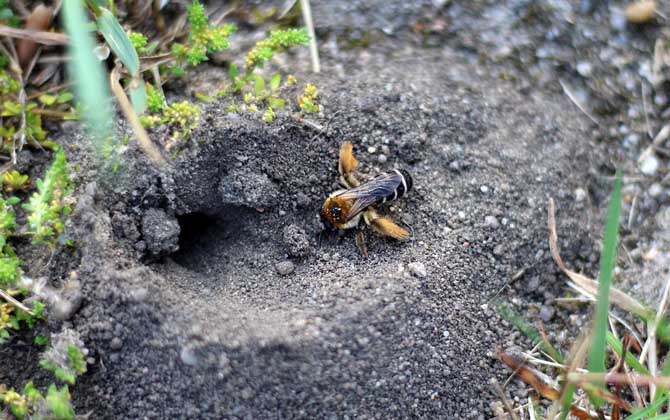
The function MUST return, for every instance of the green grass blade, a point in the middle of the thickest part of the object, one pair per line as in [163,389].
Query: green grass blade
[649,410]
[118,40]
[529,331]
[662,391]
[90,82]
[662,417]
[607,258]
[120,44]
[566,400]
[617,346]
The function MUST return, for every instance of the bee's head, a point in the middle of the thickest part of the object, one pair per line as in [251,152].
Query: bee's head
[327,225]
[331,214]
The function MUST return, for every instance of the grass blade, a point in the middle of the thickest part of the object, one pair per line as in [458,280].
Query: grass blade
[650,410]
[529,331]
[617,346]
[118,41]
[597,353]
[87,74]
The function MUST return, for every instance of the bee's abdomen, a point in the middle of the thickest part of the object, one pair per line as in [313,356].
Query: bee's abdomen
[404,186]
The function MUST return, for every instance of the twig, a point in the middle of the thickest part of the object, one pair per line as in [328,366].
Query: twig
[574,100]
[662,136]
[503,398]
[313,50]
[650,344]
[142,137]
[41,37]
[9,298]
[324,129]
[645,110]
[618,378]
[631,214]
[584,284]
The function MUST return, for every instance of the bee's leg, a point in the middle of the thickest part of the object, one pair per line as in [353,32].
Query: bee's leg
[360,242]
[347,164]
[384,225]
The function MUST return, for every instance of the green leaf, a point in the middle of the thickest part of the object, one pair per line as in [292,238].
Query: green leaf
[259,85]
[59,402]
[275,81]
[276,103]
[48,99]
[65,97]
[138,95]
[650,410]
[91,85]
[118,41]
[233,72]
[597,352]
[630,359]
[566,400]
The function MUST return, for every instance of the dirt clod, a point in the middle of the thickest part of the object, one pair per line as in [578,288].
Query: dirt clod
[160,232]
[296,241]
[285,267]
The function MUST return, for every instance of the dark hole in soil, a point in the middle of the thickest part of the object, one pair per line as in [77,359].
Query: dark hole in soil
[198,230]
[210,242]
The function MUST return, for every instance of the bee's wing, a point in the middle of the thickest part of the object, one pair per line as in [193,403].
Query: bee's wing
[371,193]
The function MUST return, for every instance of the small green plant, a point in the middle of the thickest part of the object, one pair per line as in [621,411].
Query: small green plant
[203,39]
[7,16]
[14,181]
[13,112]
[155,100]
[307,101]
[16,318]
[278,41]
[31,403]
[141,44]
[65,370]
[49,205]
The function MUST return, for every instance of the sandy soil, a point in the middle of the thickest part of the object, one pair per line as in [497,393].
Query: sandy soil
[209,291]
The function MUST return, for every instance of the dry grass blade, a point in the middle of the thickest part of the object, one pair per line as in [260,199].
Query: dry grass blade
[577,355]
[143,139]
[585,284]
[530,376]
[40,37]
[574,100]
[309,22]
[9,298]
[662,136]
[504,399]
[39,20]
[618,378]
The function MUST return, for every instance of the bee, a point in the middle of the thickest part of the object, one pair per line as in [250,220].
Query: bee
[345,208]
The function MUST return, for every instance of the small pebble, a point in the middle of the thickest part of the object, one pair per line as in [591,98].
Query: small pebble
[382,158]
[484,189]
[386,150]
[417,269]
[116,343]
[372,150]
[649,166]
[491,221]
[584,68]
[546,313]
[188,356]
[655,189]
[285,268]
[580,195]
[631,141]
